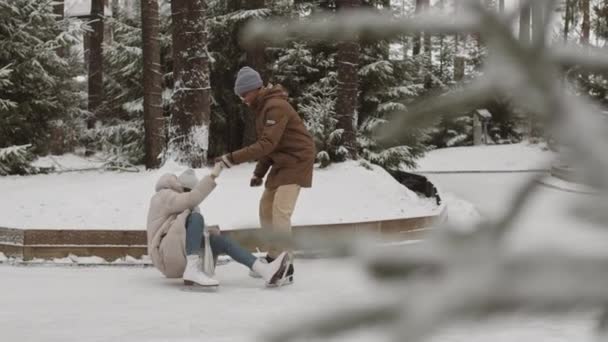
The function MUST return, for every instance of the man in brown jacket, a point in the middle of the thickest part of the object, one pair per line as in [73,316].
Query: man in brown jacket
[283,145]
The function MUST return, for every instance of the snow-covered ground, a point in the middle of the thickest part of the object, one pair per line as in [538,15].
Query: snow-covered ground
[137,304]
[546,221]
[344,192]
[516,157]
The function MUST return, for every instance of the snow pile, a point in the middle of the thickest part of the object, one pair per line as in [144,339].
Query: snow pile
[94,260]
[129,260]
[522,156]
[73,259]
[3,258]
[461,213]
[90,260]
[345,192]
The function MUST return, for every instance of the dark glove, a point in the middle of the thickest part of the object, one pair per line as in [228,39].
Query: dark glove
[256,181]
[225,160]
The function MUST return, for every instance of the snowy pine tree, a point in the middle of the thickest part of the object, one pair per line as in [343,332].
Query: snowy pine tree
[37,86]
[387,87]
[17,160]
[228,115]
[308,69]
[123,67]
[318,108]
[120,137]
[5,83]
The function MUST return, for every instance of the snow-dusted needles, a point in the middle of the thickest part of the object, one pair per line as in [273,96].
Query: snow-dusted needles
[468,273]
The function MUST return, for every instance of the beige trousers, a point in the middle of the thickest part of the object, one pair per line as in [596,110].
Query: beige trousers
[276,207]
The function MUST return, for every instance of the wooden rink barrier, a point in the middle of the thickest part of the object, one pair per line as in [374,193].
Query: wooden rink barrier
[29,244]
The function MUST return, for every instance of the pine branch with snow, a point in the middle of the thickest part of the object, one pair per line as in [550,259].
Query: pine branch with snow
[37,85]
[17,160]
[121,144]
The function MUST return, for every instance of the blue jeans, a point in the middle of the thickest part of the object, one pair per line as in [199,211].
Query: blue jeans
[195,224]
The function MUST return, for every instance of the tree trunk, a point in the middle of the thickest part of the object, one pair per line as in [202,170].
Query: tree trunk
[131,8]
[428,51]
[459,66]
[153,107]
[348,86]
[585,33]
[95,61]
[568,13]
[426,4]
[501,6]
[115,8]
[586,25]
[524,25]
[441,44]
[58,10]
[405,40]
[538,21]
[418,37]
[108,34]
[116,13]
[458,59]
[256,58]
[191,94]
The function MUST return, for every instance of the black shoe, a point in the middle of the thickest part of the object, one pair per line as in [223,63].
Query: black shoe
[289,274]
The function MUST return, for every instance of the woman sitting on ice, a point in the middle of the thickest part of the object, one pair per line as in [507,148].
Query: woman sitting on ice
[175,232]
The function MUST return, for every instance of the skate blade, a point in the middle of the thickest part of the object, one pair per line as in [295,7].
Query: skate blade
[280,283]
[200,288]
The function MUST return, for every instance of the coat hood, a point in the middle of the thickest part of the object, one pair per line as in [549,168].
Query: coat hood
[169,181]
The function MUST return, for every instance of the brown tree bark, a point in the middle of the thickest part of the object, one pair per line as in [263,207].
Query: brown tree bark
[115,8]
[58,9]
[586,24]
[567,19]
[108,35]
[426,4]
[153,108]
[418,37]
[191,95]
[95,61]
[256,58]
[441,44]
[348,86]
[524,25]
[538,21]
[458,59]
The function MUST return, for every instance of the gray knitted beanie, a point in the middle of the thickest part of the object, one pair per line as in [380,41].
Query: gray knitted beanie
[247,80]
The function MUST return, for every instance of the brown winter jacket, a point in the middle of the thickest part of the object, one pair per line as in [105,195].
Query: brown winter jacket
[166,227]
[283,142]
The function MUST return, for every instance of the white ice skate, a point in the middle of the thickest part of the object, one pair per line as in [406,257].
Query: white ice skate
[254,274]
[284,279]
[194,276]
[274,271]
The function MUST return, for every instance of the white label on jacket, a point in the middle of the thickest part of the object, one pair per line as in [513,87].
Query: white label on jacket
[270,122]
